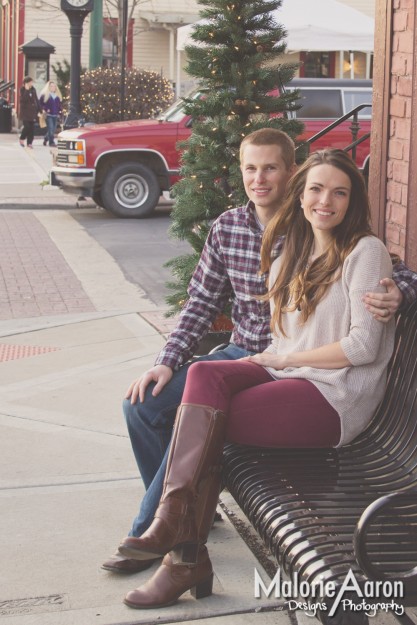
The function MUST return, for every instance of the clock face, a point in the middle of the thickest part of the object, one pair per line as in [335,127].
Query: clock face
[78,3]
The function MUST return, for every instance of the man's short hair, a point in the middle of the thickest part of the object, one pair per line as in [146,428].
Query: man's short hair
[271,136]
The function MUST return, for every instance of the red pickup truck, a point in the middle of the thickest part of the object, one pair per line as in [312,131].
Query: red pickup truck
[126,166]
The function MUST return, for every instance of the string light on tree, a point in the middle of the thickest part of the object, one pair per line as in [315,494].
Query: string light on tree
[148,94]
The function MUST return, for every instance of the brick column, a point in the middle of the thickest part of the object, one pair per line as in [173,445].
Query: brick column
[401,107]
[393,177]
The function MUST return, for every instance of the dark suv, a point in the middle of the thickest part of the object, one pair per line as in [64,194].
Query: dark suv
[324,100]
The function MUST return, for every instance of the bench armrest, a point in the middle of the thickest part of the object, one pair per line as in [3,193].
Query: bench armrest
[396,507]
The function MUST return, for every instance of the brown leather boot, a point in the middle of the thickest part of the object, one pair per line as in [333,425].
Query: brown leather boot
[119,564]
[206,504]
[192,476]
[171,580]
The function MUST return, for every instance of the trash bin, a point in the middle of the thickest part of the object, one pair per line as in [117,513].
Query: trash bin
[5,116]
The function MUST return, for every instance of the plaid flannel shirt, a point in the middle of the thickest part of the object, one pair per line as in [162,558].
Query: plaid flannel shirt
[228,270]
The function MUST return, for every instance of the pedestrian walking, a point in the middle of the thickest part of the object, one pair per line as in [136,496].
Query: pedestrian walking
[51,105]
[28,111]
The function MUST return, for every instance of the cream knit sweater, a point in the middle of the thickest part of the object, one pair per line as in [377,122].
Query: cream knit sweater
[354,392]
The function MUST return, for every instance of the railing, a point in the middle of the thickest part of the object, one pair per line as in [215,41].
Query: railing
[354,129]
[6,86]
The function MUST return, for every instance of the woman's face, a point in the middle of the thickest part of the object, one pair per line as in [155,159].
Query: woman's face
[29,85]
[52,87]
[326,196]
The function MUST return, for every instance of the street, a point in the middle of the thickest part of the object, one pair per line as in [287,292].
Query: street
[140,247]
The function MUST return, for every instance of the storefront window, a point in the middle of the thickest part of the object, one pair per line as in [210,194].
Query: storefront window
[317,64]
[109,43]
[111,53]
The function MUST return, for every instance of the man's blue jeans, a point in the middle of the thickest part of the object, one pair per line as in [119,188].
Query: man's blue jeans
[150,429]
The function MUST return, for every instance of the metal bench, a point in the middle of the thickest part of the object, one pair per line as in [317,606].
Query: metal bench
[325,512]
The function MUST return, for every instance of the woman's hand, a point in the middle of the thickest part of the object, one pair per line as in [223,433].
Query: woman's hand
[266,359]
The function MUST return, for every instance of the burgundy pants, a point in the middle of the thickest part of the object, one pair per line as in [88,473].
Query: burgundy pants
[262,411]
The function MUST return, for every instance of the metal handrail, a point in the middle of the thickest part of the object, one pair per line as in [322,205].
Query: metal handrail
[6,85]
[354,128]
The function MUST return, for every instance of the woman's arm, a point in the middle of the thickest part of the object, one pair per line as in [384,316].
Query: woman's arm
[329,356]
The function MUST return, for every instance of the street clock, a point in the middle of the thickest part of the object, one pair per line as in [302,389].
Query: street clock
[77,5]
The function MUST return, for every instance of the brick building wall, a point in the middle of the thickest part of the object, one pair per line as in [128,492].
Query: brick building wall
[401,106]
[392,179]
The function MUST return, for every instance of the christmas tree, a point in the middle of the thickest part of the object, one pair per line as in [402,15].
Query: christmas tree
[238,73]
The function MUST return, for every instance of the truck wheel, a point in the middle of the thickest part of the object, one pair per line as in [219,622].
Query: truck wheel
[130,190]
[97,198]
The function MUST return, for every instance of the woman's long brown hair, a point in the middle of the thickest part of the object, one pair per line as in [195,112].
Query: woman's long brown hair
[298,284]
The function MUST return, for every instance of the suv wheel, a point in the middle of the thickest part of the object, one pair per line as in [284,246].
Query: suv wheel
[130,190]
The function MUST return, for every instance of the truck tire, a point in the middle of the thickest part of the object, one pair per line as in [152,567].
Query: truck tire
[130,190]
[97,198]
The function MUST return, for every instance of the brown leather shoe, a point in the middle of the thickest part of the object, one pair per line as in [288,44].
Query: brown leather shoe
[119,564]
[170,581]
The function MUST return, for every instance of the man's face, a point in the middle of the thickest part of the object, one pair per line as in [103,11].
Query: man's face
[265,175]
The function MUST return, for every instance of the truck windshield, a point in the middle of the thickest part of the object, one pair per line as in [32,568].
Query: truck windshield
[175,112]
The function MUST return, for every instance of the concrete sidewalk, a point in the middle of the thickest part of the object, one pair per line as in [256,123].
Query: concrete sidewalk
[69,484]
[24,176]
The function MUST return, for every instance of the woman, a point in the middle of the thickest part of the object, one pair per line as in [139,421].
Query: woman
[28,111]
[51,103]
[316,385]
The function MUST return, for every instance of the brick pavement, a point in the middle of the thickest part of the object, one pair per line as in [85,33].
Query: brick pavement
[158,320]
[35,279]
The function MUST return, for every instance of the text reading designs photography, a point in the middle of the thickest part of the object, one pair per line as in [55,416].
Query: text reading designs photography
[368,596]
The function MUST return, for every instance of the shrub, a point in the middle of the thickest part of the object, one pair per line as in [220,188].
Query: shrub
[146,94]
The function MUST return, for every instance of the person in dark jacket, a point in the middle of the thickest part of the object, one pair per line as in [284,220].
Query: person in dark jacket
[51,104]
[29,109]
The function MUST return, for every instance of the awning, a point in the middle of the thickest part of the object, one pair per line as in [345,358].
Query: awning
[320,25]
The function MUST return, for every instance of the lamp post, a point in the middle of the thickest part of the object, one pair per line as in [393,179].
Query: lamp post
[96,35]
[123,61]
[76,11]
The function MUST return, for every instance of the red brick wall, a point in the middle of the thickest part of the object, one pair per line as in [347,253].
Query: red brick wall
[400,112]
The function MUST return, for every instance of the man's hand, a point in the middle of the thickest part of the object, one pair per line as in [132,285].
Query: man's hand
[161,374]
[383,306]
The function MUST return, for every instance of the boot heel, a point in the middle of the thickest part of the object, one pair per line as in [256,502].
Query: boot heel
[187,553]
[203,589]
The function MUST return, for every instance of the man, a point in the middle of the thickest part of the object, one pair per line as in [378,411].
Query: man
[228,269]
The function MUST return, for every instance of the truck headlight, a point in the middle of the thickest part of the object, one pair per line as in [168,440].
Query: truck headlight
[77,159]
